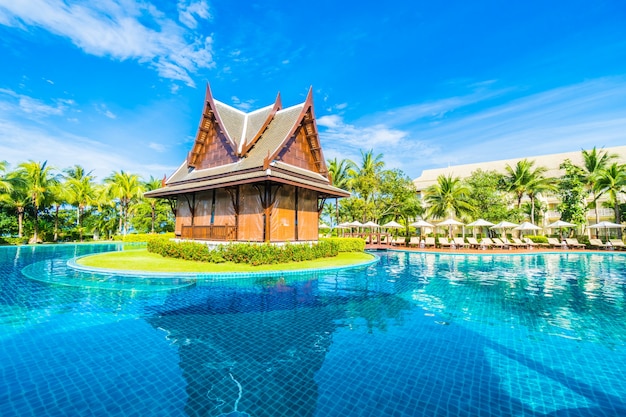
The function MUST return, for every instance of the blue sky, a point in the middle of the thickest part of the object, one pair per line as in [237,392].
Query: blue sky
[118,84]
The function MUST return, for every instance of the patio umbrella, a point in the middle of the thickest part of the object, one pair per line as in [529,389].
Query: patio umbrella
[479,223]
[370,225]
[526,226]
[323,226]
[504,225]
[559,224]
[421,224]
[606,226]
[450,223]
[393,225]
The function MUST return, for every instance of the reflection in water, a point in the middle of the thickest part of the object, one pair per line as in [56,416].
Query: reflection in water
[256,348]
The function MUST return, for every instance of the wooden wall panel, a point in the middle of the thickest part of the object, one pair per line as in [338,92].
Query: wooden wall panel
[283,215]
[308,218]
[183,215]
[250,215]
[202,214]
[224,210]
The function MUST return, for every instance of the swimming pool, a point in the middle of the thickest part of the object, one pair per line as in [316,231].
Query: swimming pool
[413,335]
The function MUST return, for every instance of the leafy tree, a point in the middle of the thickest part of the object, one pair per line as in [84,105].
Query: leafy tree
[366,179]
[538,184]
[594,163]
[5,184]
[486,195]
[398,198]
[17,199]
[39,184]
[340,176]
[80,192]
[448,198]
[572,194]
[612,180]
[126,189]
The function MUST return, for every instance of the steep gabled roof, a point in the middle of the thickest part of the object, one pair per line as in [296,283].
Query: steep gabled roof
[270,143]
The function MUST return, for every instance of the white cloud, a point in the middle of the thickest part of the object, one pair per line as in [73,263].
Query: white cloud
[9,100]
[102,109]
[187,10]
[121,29]
[157,147]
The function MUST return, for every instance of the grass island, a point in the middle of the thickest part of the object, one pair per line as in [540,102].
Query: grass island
[142,260]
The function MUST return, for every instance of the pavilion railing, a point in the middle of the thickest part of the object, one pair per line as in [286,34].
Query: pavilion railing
[212,232]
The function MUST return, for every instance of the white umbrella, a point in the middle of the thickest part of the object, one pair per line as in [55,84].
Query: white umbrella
[323,226]
[560,224]
[393,225]
[606,225]
[370,225]
[421,224]
[504,225]
[526,226]
[450,223]
[479,223]
[355,223]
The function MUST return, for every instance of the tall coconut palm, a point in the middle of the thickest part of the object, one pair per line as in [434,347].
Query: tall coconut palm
[366,176]
[448,198]
[538,184]
[612,180]
[40,181]
[80,191]
[17,198]
[126,189]
[152,184]
[5,184]
[340,176]
[594,163]
[518,178]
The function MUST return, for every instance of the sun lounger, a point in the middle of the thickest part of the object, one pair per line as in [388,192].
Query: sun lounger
[499,243]
[487,242]
[598,244]
[414,241]
[554,243]
[399,241]
[460,242]
[518,243]
[473,243]
[617,244]
[429,242]
[574,243]
[444,242]
[512,244]
[532,244]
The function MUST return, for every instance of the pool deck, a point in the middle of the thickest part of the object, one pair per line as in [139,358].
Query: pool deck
[511,251]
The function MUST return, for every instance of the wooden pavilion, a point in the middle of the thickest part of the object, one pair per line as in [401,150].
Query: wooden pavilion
[258,176]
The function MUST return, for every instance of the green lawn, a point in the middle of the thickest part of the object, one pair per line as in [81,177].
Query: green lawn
[142,260]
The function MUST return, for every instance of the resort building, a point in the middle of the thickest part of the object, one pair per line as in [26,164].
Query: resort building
[258,176]
[551,162]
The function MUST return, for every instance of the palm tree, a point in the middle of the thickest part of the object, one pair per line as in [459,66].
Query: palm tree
[366,176]
[17,198]
[340,177]
[594,163]
[80,191]
[152,184]
[517,179]
[125,188]
[5,184]
[538,184]
[448,198]
[612,180]
[39,184]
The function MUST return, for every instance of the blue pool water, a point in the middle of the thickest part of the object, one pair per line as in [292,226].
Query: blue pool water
[413,335]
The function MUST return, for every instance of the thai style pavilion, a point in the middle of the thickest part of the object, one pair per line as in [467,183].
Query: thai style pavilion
[256,176]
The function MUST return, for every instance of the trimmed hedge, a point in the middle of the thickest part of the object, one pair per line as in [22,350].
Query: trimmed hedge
[537,239]
[249,253]
[347,244]
[13,240]
[143,237]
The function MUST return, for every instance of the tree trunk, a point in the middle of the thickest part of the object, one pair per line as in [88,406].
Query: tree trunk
[20,222]
[36,225]
[56,222]
[532,210]
[153,217]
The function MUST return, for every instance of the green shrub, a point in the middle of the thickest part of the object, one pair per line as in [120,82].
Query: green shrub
[13,240]
[584,240]
[538,239]
[143,237]
[249,253]
[346,244]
